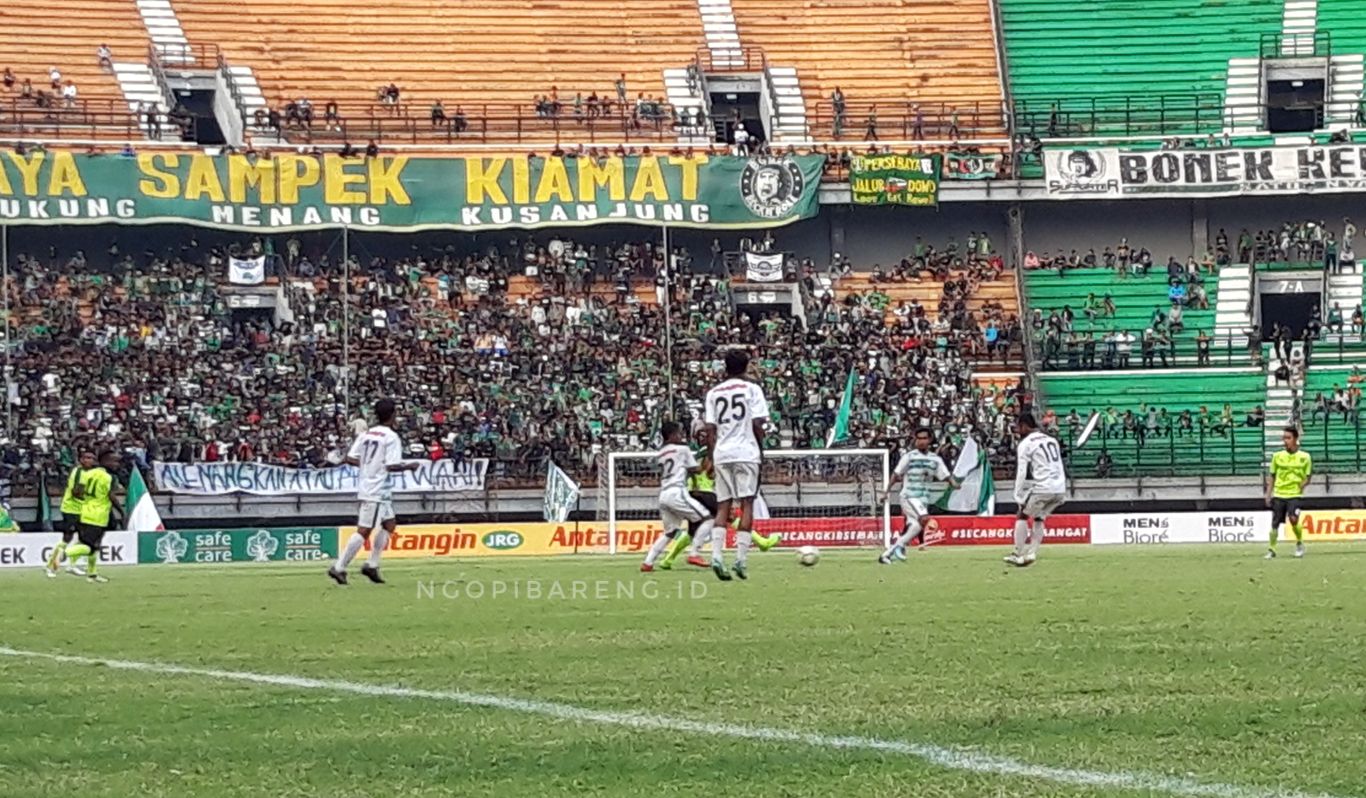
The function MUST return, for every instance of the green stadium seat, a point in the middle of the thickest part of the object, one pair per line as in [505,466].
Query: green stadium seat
[1238,451]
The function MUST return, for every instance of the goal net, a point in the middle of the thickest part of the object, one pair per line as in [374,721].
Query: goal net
[814,497]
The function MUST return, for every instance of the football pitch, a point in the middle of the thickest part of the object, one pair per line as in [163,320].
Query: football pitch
[1201,671]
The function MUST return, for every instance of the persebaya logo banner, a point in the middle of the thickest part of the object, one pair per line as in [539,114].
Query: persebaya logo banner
[895,179]
[289,192]
[1108,172]
[237,545]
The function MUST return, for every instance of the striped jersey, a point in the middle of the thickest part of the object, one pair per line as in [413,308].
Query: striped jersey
[918,471]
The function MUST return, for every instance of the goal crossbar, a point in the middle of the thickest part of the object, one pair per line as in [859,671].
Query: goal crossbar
[611,487]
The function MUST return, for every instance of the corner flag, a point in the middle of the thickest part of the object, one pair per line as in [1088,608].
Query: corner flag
[840,432]
[139,511]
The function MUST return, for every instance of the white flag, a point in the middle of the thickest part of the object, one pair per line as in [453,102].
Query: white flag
[561,495]
[247,271]
[763,268]
[976,492]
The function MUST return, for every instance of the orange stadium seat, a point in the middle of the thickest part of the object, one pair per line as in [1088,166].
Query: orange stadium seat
[66,35]
[916,51]
[461,53]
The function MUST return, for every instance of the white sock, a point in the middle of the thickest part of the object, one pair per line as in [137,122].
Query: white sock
[912,527]
[1021,536]
[1036,540]
[657,548]
[718,543]
[701,538]
[379,539]
[348,554]
[742,540]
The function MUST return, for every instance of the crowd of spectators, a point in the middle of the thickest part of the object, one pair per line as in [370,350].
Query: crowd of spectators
[140,351]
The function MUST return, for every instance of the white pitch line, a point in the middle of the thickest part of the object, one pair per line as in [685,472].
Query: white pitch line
[948,758]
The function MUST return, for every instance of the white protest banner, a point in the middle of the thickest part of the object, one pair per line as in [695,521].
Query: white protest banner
[247,271]
[214,479]
[763,268]
[31,550]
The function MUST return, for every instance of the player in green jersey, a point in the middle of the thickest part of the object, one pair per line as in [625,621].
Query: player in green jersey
[97,505]
[1290,471]
[72,502]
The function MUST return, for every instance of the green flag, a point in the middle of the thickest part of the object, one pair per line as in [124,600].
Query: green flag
[44,504]
[840,432]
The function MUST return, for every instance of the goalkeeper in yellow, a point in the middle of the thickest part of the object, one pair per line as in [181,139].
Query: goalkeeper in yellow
[1290,472]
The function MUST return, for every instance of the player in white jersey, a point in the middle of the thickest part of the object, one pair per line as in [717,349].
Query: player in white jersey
[1040,488]
[917,471]
[735,413]
[678,509]
[377,453]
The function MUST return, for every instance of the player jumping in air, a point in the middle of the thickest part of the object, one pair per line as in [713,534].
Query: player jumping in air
[1040,488]
[72,501]
[677,507]
[917,470]
[97,505]
[377,453]
[735,412]
[1291,469]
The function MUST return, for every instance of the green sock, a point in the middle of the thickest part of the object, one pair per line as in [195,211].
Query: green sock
[57,552]
[1298,530]
[91,560]
[679,543]
[76,551]
[1275,533]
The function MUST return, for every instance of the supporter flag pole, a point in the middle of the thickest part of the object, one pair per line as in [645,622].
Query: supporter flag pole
[4,264]
[668,323]
[346,324]
[840,432]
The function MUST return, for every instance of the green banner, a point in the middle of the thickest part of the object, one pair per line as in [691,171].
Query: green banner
[237,545]
[290,192]
[895,179]
[972,165]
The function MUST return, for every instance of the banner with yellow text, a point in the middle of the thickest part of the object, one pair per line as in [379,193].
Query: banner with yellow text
[294,192]
[895,179]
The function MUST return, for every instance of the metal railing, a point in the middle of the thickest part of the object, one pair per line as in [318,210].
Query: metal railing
[185,56]
[510,122]
[739,59]
[1171,114]
[906,120]
[1074,354]
[1310,44]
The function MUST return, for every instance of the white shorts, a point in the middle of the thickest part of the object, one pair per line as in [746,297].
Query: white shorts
[913,508]
[1041,505]
[736,481]
[678,509]
[374,514]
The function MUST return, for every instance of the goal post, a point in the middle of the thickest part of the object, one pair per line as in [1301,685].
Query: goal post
[818,497]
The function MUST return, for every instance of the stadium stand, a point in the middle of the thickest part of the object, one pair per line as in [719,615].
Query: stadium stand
[1136,300]
[475,56]
[1162,62]
[887,55]
[39,37]
[1344,22]
[141,350]
[1330,404]
[1144,417]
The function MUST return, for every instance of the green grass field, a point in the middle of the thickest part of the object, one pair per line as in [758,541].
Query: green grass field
[1188,664]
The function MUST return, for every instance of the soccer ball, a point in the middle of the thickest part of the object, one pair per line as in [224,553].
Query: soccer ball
[808,555]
